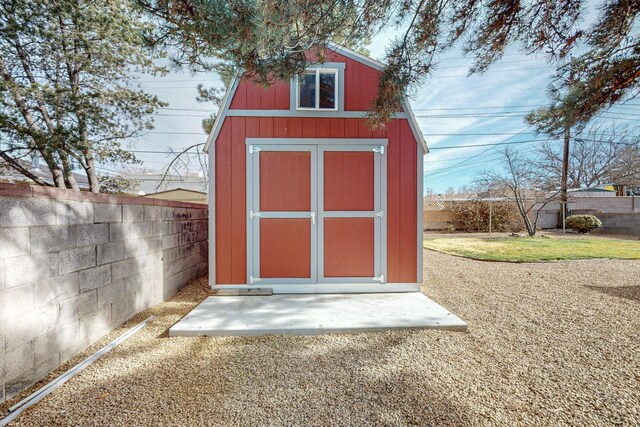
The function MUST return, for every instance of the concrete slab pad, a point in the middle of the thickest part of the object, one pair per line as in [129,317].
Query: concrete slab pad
[314,314]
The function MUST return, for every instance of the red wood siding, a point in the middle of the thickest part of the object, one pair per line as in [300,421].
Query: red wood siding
[285,247]
[360,87]
[285,181]
[231,187]
[349,247]
[252,96]
[348,181]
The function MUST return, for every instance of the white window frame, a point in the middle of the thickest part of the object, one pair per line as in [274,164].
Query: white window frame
[318,71]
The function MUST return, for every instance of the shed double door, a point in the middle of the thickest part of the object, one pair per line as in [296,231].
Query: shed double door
[316,214]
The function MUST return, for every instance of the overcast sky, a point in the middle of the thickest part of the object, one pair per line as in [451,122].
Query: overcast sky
[453,110]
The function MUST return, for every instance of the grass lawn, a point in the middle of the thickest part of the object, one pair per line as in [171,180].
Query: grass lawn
[533,249]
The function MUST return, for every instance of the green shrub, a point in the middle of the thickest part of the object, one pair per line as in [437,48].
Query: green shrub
[583,223]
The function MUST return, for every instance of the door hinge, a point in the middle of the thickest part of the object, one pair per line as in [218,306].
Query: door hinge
[379,213]
[379,149]
[379,278]
[253,280]
[254,215]
[254,149]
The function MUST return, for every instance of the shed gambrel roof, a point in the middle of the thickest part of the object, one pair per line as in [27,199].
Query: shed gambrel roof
[351,54]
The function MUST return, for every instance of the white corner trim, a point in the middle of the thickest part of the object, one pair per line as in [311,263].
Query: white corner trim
[358,57]
[420,215]
[226,102]
[212,217]
[413,124]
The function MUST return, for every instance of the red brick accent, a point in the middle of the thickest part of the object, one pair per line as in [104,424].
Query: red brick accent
[54,193]
[160,202]
[15,190]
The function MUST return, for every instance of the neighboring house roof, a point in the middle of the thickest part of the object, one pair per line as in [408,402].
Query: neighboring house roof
[41,171]
[150,182]
[351,54]
[590,190]
[176,189]
[181,194]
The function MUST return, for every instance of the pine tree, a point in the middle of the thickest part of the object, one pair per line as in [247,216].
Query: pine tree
[268,38]
[68,88]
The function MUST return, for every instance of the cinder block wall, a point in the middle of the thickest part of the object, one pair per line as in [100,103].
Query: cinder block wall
[606,205]
[74,265]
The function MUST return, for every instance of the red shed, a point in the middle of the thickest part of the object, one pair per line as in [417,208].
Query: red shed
[304,196]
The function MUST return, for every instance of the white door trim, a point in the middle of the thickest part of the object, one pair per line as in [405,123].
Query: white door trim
[317,283]
[380,222]
[253,220]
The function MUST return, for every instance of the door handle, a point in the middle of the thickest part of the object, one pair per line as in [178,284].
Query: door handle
[313,217]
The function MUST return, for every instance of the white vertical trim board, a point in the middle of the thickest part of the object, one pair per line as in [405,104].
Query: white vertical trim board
[212,217]
[380,223]
[253,204]
[420,214]
[222,112]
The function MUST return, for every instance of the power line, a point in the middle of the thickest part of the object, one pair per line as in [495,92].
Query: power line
[185,109]
[202,116]
[625,105]
[620,118]
[451,147]
[470,116]
[179,133]
[480,134]
[506,70]
[491,147]
[190,153]
[497,63]
[478,108]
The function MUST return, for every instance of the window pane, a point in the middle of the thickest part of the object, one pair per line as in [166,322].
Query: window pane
[328,90]
[307,91]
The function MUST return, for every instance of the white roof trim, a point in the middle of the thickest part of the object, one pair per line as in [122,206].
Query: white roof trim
[358,57]
[217,124]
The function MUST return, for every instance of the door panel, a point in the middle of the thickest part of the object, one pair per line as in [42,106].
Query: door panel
[285,248]
[285,181]
[351,215]
[349,247]
[282,206]
[349,181]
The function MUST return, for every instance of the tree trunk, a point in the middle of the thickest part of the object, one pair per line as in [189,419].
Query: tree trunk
[58,178]
[69,179]
[522,209]
[94,182]
[56,172]
[531,228]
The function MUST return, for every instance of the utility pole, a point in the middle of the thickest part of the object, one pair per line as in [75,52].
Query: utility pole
[490,212]
[568,123]
[565,173]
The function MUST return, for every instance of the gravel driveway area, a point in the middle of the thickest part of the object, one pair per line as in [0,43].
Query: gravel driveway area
[548,344]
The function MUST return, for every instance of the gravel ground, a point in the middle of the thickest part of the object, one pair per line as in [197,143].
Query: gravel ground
[548,344]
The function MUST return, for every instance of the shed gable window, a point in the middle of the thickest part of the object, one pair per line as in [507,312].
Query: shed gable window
[318,90]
